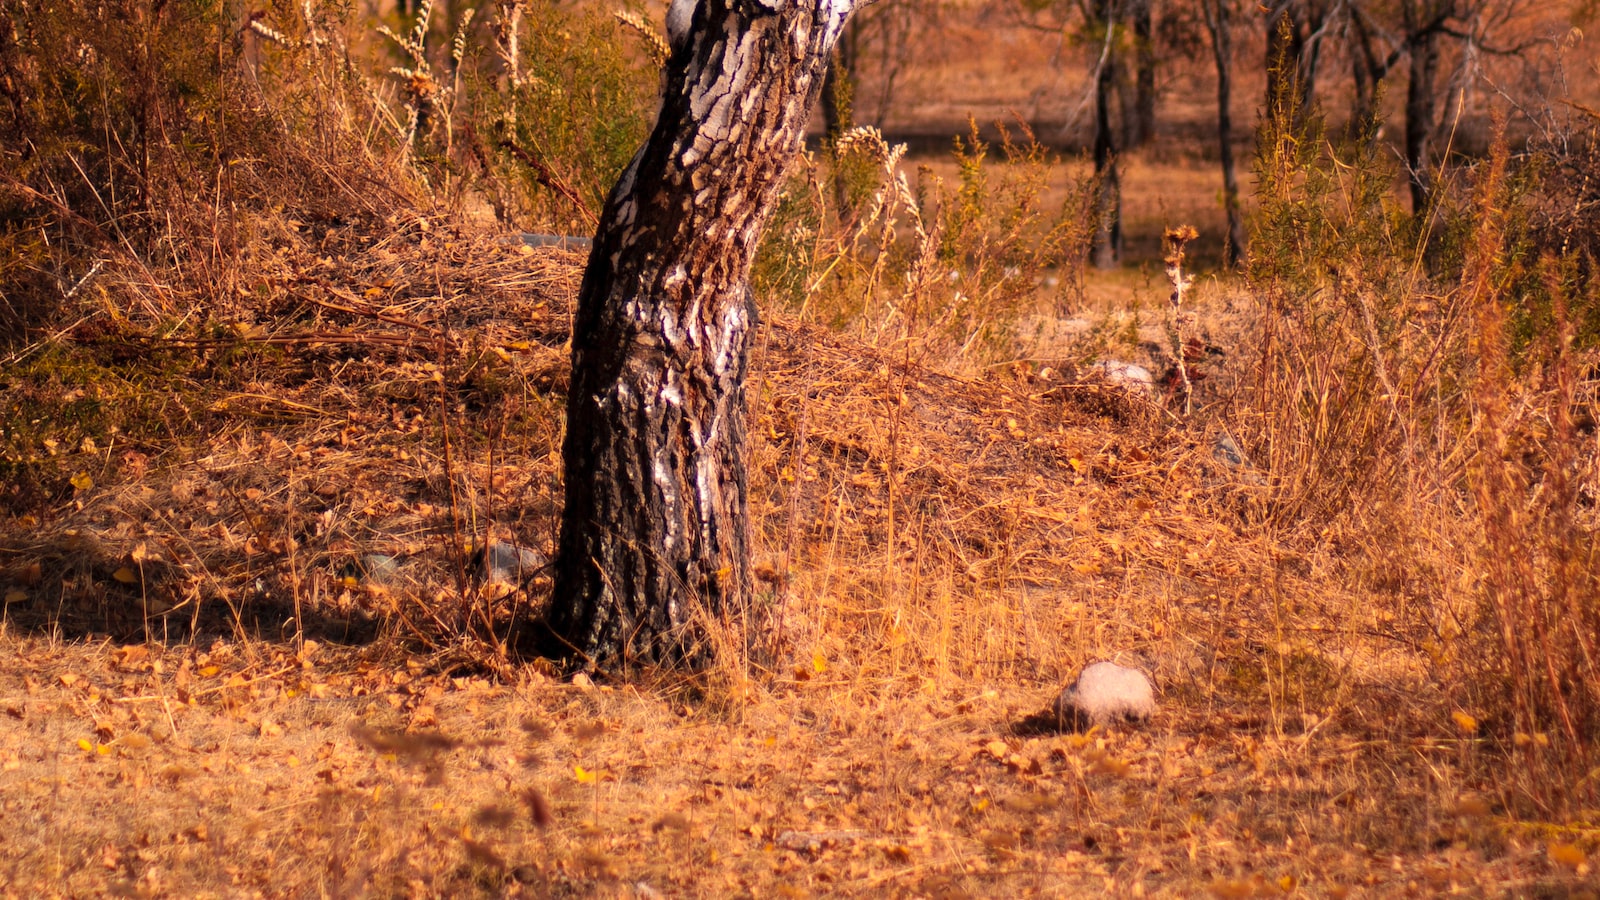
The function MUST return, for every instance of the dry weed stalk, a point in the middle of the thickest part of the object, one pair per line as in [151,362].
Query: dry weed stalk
[950,270]
[1176,240]
[654,43]
[426,96]
[507,36]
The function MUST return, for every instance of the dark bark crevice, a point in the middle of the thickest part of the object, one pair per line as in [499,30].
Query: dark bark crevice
[1144,77]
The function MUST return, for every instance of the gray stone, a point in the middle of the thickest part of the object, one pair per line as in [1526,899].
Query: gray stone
[1106,693]
[1228,453]
[1226,450]
[558,241]
[1126,375]
[507,563]
[380,567]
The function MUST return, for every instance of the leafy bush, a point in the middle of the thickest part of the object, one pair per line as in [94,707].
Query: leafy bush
[559,141]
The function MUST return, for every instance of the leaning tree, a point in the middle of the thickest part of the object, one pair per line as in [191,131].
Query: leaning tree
[654,538]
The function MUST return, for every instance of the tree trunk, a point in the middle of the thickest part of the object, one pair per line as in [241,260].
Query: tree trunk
[1144,77]
[654,538]
[1216,15]
[1420,103]
[1316,13]
[1364,75]
[1108,205]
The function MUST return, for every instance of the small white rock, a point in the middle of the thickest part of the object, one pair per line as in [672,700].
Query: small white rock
[506,563]
[1126,375]
[1106,692]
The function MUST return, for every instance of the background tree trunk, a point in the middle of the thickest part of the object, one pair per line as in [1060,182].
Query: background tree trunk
[1364,71]
[839,87]
[654,542]
[1216,15]
[1108,206]
[1420,106]
[1144,77]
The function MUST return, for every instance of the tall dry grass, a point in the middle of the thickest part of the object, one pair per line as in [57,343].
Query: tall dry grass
[1416,388]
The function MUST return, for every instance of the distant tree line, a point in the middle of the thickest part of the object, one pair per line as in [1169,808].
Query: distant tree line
[1437,46]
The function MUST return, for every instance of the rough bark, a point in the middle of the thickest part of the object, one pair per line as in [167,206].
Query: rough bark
[654,538]
[1217,23]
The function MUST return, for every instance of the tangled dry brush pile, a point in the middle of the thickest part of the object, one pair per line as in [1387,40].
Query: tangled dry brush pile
[253,451]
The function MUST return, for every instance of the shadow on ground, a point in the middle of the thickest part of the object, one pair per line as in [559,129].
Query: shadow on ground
[71,589]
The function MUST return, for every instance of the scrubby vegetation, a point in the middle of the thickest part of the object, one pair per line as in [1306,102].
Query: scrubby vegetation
[275,366]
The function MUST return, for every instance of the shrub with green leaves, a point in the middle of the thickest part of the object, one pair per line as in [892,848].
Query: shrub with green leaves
[572,102]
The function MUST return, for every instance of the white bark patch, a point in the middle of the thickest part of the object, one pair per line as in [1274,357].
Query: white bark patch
[630,174]
[705,477]
[670,330]
[733,324]
[670,395]
[680,16]
[833,15]
[663,479]
[677,278]
[692,333]
[712,104]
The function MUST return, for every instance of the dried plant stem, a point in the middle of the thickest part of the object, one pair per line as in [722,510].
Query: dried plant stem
[549,179]
[1176,239]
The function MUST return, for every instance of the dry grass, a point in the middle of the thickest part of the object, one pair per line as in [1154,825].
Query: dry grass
[211,693]
[940,553]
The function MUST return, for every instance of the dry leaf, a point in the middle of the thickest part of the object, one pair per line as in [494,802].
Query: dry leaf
[1568,855]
